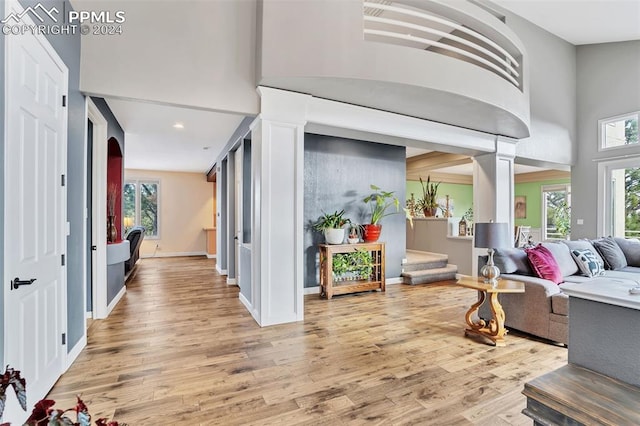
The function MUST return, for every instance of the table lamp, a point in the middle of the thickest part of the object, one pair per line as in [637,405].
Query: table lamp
[491,236]
[128,223]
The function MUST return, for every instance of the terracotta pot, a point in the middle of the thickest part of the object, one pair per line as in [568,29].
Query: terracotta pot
[430,211]
[371,233]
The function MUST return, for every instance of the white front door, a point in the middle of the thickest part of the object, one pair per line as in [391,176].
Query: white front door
[35,216]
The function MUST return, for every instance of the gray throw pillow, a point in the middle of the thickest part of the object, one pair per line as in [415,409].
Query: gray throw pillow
[512,261]
[562,255]
[631,250]
[611,253]
[584,245]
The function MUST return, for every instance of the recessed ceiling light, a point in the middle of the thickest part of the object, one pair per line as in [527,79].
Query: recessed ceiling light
[178,126]
[206,147]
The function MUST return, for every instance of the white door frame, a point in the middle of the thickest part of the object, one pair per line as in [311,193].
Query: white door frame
[99,303]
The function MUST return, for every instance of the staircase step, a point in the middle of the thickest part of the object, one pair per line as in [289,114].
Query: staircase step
[430,275]
[421,260]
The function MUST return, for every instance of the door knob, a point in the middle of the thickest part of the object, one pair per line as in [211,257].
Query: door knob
[17,282]
[94,248]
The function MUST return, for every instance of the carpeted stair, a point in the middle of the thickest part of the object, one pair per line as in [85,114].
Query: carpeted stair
[425,267]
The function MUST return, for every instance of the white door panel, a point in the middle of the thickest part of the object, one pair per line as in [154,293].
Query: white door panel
[35,215]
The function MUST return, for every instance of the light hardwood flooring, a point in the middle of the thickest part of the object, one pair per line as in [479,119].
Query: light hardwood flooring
[180,349]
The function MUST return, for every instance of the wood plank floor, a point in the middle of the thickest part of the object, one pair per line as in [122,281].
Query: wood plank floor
[180,349]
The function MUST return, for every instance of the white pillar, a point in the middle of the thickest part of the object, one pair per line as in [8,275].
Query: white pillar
[277,183]
[493,187]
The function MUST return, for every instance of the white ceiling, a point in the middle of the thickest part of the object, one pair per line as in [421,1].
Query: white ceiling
[581,21]
[152,143]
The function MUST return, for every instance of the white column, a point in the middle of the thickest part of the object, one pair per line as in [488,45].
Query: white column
[493,187]
[277,183]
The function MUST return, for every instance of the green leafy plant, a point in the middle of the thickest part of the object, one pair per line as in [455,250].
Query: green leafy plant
[355,265]
[335,220]
[354,230]
[44,414]
[468,215]
[429,194]
[379,201]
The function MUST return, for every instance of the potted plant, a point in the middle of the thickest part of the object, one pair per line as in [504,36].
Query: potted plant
[379,201]
[357,265]
[429,203]
[354,233]
[332,225]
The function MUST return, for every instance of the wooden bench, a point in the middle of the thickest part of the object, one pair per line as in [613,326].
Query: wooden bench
[573,395]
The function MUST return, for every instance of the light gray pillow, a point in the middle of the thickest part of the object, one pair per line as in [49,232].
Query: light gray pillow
[587,262]
[631,250]
[562,255]
[584,245]
[512,261]
[611,253]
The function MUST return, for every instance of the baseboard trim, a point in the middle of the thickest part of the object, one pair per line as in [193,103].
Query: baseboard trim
[221,271]
[89,315]
[116,299]
[211,256]
[396,280]
[74,353]
[175,254]
[312,290]
[249,307]
[232,281]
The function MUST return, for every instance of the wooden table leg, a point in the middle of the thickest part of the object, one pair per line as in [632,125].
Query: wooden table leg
[494,330]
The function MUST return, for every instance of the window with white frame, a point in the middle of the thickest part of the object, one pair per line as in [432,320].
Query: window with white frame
[620,131]
[556,212]
[141,204]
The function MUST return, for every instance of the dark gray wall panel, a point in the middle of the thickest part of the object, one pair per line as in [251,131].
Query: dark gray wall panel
[337,175]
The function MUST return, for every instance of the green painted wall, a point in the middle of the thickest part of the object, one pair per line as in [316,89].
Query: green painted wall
[461,194]
[533,192]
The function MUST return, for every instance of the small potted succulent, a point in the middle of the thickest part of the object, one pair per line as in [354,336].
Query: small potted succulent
[354,233]
[332,226]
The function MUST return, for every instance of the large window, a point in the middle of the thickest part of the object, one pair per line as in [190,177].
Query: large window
[141,205]
[619,131]
[556,212]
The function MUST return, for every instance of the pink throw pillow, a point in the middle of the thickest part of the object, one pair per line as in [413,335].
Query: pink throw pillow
[544,264]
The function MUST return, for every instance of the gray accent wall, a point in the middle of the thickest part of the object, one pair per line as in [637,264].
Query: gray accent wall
[338,173]
[551,62]
[608,85]
[68,48]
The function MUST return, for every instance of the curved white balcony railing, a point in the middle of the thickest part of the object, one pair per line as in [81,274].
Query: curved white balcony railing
[396,23]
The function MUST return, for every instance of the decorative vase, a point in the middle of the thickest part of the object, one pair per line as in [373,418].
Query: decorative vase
[371,233]
[334,236]
[112,231]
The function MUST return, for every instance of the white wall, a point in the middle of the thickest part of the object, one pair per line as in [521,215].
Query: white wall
[195,53]
[608,85]
[186,207]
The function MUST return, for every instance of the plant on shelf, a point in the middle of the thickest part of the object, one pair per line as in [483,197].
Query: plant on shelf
[354,233]
[429,202]
[379,202]
[332,225]
[357,265]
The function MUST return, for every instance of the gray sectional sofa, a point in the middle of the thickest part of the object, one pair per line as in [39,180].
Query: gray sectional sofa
[543,309]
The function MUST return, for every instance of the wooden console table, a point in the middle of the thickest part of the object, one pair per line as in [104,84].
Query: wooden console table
[329,287]
[494,330]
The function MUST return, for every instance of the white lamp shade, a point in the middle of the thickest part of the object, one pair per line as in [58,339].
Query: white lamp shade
[492,235]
